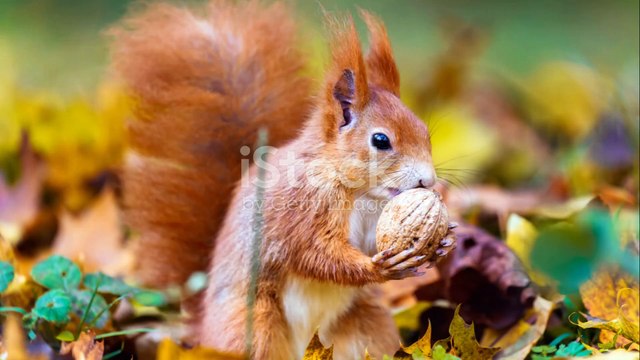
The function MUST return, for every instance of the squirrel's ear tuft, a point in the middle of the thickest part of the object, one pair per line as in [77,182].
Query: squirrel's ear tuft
[346,88]
[347,77]
[381,66]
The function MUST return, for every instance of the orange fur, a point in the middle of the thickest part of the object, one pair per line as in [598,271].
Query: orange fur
[204,86]
[204,82]
[383,71]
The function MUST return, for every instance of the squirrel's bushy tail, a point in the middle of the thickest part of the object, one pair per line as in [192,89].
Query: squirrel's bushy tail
[203,84]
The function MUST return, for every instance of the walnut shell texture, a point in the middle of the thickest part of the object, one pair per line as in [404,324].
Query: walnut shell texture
[416,217]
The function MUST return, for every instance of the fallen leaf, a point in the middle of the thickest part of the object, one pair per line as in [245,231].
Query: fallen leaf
[95,236]
[613,297]
[85,348]
[316,351]
[423,344]
[463,340]
[168,350]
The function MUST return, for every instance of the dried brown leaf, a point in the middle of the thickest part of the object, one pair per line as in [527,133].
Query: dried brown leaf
[85,348]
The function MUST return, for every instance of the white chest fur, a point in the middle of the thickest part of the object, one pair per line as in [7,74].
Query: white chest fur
[310,304]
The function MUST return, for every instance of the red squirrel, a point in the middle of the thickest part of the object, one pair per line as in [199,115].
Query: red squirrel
[204,83]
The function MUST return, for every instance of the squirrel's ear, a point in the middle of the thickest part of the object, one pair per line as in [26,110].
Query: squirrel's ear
[346,87]
[381,66]
[344,91]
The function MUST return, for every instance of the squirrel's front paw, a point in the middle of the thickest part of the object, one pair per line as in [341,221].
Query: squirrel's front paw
[396,266]
[393,265]
[446,245]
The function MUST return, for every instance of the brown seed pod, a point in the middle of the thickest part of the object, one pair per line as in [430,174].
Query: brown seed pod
[415,218]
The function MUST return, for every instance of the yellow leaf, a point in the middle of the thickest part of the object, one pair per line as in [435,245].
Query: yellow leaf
[567,98]
[316,351]
[613,296]
[451,128]
[168,350]
[521,236]
[463,340]
[423,344]
[565,209]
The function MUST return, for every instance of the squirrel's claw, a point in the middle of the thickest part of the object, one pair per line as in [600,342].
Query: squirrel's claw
[383,256]
[446,242]
[402,265]
[401,274]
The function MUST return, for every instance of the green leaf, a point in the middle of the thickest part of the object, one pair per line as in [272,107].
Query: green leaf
[620,325]
[418,355]
[66,336]
[108,284]
[439,353]
[544,349]
[81,300]
[559,339]
[570,251]
[572,349]
[53,306]
[57,272]
[6,275]
[150,298]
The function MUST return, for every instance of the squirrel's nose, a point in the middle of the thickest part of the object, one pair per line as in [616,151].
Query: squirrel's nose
[426,177]
[426,183]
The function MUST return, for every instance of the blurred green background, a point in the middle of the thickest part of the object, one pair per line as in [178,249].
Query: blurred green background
[59,44]
[516,93]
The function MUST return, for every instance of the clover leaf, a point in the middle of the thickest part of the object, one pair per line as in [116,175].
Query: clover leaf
[53,306]
[57,272]
[97,313]
[6,275]
[107,284]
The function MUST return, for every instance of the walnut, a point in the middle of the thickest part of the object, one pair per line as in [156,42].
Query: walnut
[415,218]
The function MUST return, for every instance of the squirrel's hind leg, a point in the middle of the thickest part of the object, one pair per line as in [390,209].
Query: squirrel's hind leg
[271,333]
[366,325]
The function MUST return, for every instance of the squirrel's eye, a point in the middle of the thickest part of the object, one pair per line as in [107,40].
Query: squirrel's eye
[380,141]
